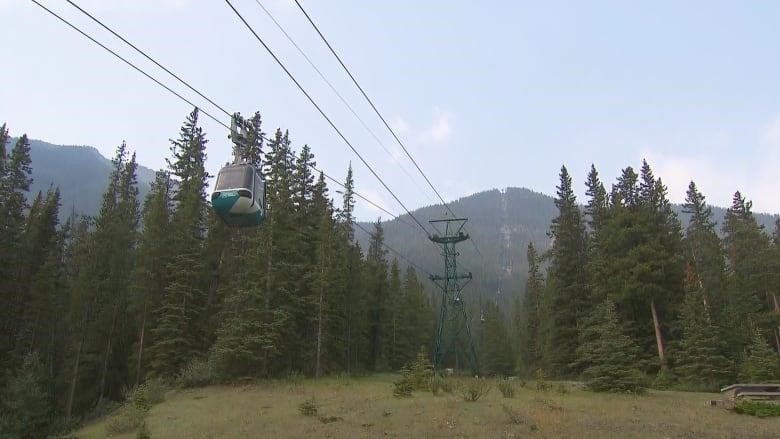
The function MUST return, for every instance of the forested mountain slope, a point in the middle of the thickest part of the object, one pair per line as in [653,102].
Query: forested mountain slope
[80,172]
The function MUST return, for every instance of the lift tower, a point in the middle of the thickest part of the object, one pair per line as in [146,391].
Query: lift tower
[453,330]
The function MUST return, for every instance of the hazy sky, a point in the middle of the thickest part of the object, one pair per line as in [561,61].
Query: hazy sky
[485,94]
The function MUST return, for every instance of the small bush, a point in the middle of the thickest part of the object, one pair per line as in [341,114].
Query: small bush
[506,387]
[403,388]
[197,373]
[757,408]
[541,381]
[475,389]
[127,419]
[420,371]
[561,388]
[665,379]
[440,384]
[308,407]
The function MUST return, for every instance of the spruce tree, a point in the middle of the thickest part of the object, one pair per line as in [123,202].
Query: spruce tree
[498,357]
[180,333]
[703,251]
[567,290]
[25,405]
[760,364]
[377,293]
[749,259]
[149,277]
[700,359]
[528,315]
[608,357]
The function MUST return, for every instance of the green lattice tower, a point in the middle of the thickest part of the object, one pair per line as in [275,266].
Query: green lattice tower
[453,330]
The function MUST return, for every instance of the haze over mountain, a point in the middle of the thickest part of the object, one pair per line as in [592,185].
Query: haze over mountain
[501,222]
[81,173]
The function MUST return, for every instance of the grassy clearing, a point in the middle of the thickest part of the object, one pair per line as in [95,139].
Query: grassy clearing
[366,408]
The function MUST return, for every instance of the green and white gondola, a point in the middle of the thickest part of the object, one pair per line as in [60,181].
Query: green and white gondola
[239,196]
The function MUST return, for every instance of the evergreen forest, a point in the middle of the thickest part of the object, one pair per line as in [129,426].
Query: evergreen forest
[157,287]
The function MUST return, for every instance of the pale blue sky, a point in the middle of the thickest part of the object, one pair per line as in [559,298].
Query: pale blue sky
[485,94]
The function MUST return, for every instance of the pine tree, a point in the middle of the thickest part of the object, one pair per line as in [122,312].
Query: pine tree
[25,405]
[609,357]
[749,264]
[14,185]
[567,290]
[377,293]
[180,333]
[760,364]
[704,254]
[149,277]
[528,315]
[700,360]
[498,357]
[396,318]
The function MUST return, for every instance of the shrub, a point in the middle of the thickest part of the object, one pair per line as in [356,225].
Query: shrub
[308,407]
[506,387]
[128,418]
[403,388]
[514,416]
[420,371]
[561,388]
[541,381]
[757,408]
[197,373]
[440,384]
[474,389]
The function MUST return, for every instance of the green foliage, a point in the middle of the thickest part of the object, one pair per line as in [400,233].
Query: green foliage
[757,408]
[25,406]
[761,363]
[542,385]
[565,293]
[403,387]
[498,357]
[609,358]
[420,371]
[309,407]
[700,360]
[474,389]
[197,373]
[128,418]
[506,387]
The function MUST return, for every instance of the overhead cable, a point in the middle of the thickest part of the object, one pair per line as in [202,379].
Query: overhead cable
[322,113]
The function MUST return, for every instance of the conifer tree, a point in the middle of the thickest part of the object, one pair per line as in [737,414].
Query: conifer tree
[179,334]
[528,315]
[25,405]
[498,357]
[700,359]
[14,186]
[377,292]
[396,318]
[149,277]
[567,292]
[703,251]
[760,364]
[608,357]
[749,264]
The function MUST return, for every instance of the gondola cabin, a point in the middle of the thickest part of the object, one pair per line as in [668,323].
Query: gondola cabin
[239,196]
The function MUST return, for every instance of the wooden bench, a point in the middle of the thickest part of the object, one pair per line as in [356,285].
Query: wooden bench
[751,391]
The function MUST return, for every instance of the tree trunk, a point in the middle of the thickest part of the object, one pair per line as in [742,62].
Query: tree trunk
[75,376]
[106,357]
[267,301]
[658,336]
[138,372]
[777,332]
[319,320]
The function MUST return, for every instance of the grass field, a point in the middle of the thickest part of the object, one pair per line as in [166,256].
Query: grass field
[366,408]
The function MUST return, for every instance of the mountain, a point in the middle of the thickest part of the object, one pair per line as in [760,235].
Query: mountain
[81,173]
